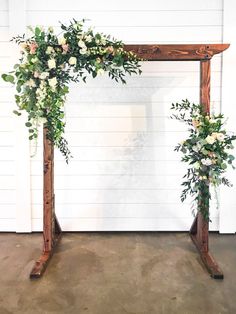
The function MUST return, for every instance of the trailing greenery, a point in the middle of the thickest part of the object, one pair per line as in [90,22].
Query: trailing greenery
[206,151]
[50,62]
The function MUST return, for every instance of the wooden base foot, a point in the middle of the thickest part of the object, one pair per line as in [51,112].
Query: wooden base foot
[208,261]
[199,237]
[41,264]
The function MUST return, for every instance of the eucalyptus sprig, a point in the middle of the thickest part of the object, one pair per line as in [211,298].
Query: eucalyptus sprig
[49,63]
[206,151]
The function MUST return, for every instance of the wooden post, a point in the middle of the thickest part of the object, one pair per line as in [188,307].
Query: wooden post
[51,227]
[199,231]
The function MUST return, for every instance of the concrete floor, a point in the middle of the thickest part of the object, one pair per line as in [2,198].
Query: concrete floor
[116,273]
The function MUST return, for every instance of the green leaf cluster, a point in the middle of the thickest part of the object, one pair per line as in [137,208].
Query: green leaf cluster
[206,151]
[49,62]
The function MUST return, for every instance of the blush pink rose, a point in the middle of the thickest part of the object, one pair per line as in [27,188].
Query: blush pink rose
[36,74]
[33,47]
[65,48]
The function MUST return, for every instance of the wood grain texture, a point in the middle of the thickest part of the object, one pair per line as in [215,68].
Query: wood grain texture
[48,192]
[205,77]
[191,52]
[199,231]
[51,227]
[207,259]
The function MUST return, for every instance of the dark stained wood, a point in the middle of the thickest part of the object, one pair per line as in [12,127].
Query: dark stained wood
[48,193]
[194,52]
[207,259]
[205,88]
[199,230]
[51,227]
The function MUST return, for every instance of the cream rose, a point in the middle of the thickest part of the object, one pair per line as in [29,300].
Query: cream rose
[81,44]
[44,75]
[52,82]
[83,51]
[88,38]
[62,41]
[210,139]
[72,61]
[49,50]
[23,46]
[51,63]
[30,83]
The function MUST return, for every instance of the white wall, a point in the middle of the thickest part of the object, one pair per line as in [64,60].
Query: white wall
[124,174]
[7,164]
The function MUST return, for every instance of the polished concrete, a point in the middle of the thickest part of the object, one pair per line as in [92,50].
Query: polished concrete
[116,273]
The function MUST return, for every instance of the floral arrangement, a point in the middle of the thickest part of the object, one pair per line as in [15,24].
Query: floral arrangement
[49,62]
[206,151]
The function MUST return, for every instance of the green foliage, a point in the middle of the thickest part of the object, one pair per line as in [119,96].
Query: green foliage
[206,151]
[49,63]
[8,78]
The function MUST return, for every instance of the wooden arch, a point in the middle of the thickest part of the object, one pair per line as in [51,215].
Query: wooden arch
[199,230]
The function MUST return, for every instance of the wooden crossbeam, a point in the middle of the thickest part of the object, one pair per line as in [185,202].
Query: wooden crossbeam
[190,52]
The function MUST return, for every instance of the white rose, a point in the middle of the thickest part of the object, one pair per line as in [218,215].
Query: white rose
[51,63]
[81,44]
[206,162]
[49,50]
[44,75]
[42,85]
[72,61]
[220,137]
[210,139]
[100,72]
[30,83]
[62,41]
[83,51]
[88,38]
[52,82]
